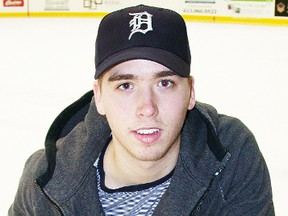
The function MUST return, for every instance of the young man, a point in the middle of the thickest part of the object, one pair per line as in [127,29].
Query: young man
[140,144]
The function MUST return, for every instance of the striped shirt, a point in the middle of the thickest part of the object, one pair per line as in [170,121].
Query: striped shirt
[136,200]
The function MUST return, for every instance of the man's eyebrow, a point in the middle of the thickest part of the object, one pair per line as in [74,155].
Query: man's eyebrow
[117,77]
[164,74]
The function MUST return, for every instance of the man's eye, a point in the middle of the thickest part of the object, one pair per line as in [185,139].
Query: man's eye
[125,86]
[166,83]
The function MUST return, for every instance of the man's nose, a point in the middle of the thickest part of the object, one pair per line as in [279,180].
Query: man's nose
[146,103]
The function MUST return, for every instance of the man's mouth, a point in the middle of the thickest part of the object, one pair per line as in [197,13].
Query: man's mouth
[147,131]
[148,135]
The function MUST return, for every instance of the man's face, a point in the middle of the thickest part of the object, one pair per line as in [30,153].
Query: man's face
[145,105]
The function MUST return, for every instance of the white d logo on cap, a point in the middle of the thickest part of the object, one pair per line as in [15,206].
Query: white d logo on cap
[141,22]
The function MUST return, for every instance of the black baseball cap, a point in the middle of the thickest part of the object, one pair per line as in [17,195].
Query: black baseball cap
[143,32]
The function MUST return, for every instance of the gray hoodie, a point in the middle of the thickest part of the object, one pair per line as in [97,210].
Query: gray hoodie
[220,169]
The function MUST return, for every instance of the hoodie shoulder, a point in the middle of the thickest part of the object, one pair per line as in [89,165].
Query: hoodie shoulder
[230,132]
[26,192]
[35,165]
[222,123]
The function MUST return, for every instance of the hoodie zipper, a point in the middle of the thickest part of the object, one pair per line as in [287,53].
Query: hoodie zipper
[201,200]
[53,204]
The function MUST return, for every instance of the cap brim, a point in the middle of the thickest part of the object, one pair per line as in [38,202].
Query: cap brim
[168,59]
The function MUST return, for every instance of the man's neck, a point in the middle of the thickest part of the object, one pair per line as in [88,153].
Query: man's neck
[123,171]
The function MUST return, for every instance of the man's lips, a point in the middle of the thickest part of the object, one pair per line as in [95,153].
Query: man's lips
[147,131]
[147,135]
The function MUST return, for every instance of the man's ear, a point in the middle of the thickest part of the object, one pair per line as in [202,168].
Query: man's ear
[98,97]
[192,100]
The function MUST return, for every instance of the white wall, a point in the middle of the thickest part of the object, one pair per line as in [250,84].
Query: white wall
[45,64]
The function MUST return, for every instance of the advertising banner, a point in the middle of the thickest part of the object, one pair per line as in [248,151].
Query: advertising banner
[281,8]
[14,7]
[247,11]
[13,3]
[201,7]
